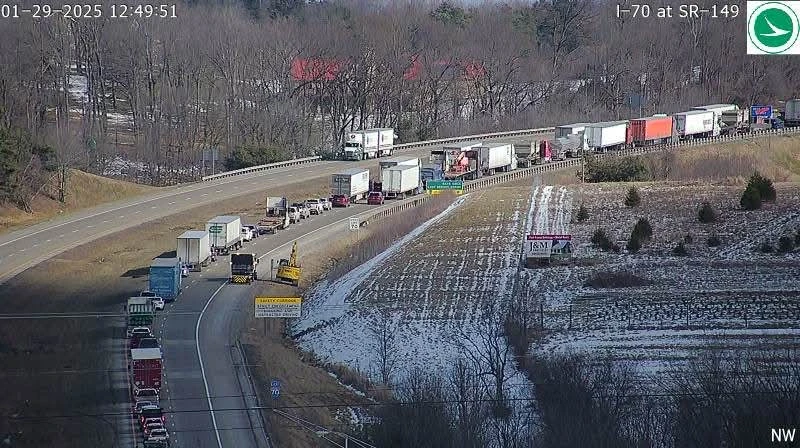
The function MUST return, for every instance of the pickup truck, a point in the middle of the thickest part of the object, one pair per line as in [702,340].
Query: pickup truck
[303,209]
[315,206]
[326,203]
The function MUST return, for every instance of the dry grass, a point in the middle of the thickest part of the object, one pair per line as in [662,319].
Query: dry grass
[83,190]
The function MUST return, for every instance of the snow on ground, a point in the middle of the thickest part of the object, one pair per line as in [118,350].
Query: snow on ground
[731,297]
[430,287]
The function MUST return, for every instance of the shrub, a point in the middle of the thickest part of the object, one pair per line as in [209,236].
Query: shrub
[583,214]
[633,199]
[797,238]
[785,244]
[601,240]
[713,241]
[634,244]
[764,187]
[750,200]
[617,169]
[642,230]
[621,279]
[688,239]
[706,214]
[680,250]
[766,247]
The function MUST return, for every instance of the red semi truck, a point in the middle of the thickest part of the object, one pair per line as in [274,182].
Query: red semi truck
[146,368]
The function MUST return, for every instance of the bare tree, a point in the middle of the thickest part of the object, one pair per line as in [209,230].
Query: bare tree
[383,330]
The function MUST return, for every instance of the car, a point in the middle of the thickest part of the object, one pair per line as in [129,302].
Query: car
[184,270]
[303,209]
[147,343]
[254,231]
[147,421]
[147,293]
[158,303]
[150,412]
[247,234]
[375,198]
[326,203]
[340,200]
[158,434]
[147,428]
[314,206]
[146,394]
[294,215]
[138,407]
[138,332]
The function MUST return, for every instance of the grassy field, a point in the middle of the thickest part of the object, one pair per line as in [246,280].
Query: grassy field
[84,190]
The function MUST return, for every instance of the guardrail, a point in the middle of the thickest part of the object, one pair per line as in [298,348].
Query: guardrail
[553,166]
[403,146]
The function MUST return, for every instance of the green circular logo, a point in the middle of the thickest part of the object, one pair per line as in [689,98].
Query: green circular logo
[773,27]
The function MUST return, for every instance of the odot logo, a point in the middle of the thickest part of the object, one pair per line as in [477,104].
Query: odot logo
[772,27]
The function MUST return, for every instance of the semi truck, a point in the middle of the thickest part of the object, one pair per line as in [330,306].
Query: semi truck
[791,114]
[601,137]
[368,144]
[399,180]
[277,215]
[430,172]
[457,163]
[497,157]
[194,249]
[570,139]
[352,183]
[224,233]
[717,110]
[694,124]
[140,312]
[243,268]
[651,130]
[146,368]
[399,161]
[735,122]
[165,278]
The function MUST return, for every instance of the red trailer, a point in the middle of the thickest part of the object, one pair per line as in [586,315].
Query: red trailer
[545,152]
[650,130]
[146,368]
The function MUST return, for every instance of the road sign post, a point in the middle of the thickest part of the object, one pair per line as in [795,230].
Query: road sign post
[280,307]
[275,388]
[437,186]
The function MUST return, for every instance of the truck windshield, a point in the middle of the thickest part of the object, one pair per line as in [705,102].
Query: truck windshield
[352,145]
[240,259]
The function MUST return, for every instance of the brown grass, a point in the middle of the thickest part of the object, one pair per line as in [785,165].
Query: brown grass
[83,190]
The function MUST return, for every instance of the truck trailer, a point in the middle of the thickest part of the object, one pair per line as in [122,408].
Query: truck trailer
[570,139]
[497,157]
[352,183]
[399,180]
[277,215]
[368,144]
[224,233]
[399,161]
[243,268]
[194,249]
[140,312]
[165,278]
[694,124]
[601,137]
[651,130]
[718,110]
[791,114]
[146,368]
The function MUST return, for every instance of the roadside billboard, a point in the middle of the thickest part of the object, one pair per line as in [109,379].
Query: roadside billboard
[548,246]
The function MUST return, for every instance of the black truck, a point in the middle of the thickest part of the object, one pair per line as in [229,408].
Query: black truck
[243,268]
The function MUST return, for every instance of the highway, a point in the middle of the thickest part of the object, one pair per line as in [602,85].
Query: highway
[210,310]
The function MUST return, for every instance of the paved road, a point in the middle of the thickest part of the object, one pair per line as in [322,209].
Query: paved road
[27,247]
[223,307]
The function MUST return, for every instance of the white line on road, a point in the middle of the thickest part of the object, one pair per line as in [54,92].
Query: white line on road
[105,221]
[61,236]
[171,202]
[205,194]
[289,175]
[89,227]
[35,245]
[137,212]
[22,250]
[155,206]
[188,199]
[200,358]
[218,191]
[47,241]
[76,231]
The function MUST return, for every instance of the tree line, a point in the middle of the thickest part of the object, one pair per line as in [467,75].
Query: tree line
[263,81]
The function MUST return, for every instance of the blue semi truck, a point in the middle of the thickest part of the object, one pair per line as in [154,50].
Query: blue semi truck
[165,278]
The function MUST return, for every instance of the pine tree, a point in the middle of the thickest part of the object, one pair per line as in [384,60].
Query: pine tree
[633,199]
[583,214]
[706,214]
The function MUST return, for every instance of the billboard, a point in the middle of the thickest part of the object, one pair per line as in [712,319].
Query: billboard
[548,246]
[761,111]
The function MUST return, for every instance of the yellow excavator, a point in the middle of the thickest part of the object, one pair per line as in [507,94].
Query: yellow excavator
[289,270]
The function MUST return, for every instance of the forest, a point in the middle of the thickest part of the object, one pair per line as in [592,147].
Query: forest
[261,81]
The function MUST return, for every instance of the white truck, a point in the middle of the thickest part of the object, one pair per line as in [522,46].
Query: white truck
[497,157]
[791,115]
[399,161]
[601,137]
[278,216]
[694,124]
[194,249]
[369,144]
[352,183]
[718,110]
[224,233]
[571,139]
[399,180]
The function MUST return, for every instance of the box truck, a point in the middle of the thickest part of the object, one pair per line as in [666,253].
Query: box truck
[146,368]
[194,249]
[352,184]
[224,233]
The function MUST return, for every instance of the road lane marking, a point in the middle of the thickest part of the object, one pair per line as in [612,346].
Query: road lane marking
[137,212]
[171,202]
[89,227]
[200,358]
[61,236]
[22,250]
[35,245]
[155,206]
[205,194]
[76,231]
[188,199]
[47,241]
[218,191]
[105,221]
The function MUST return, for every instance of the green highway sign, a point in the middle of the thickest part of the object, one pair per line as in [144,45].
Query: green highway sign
[215,229]
[445,185]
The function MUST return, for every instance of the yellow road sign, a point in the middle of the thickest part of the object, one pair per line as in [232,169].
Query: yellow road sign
[278,300]
[277,306]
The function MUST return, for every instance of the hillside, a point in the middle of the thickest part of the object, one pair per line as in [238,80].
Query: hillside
[83,190]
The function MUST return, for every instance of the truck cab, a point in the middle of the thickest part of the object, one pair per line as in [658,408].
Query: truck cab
[294,215]
[243,268]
